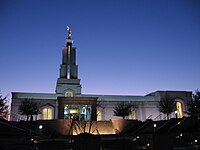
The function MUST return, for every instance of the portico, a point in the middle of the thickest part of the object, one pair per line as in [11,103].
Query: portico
[77,108]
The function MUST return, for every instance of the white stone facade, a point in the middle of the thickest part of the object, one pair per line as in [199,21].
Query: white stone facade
[68,85]
[146,107]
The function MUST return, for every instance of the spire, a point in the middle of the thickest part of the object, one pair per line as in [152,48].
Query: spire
[68,79]
[69,69]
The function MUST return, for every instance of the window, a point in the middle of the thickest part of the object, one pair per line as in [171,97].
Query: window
[99,115]
[68,94]
[47,113]
[179,109]
[132,115]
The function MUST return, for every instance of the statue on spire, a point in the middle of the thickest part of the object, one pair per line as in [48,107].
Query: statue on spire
[69,32]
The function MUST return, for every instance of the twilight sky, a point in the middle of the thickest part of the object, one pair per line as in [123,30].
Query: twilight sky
[130,47]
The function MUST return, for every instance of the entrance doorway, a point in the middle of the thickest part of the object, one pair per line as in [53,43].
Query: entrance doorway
[77,112]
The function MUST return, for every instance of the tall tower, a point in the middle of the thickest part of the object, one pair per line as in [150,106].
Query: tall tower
[68,83]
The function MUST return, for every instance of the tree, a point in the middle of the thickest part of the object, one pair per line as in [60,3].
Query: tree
[29,108]
[123,109]
[3,107]
[167,105]
[194,105]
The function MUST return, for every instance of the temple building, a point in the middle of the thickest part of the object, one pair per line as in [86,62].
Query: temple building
[68,101]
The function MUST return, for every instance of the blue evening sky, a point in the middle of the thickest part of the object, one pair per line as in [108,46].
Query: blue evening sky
[130,47]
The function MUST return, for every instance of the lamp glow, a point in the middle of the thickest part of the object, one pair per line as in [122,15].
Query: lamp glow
[40,126]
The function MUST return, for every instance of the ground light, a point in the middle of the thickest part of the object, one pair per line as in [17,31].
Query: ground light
[135,139]
[154,127]
[40,127]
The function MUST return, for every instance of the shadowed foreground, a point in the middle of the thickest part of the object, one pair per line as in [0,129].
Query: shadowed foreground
[174,134]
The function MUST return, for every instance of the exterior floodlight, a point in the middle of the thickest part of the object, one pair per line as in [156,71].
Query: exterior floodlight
[40,126]
[154,125]
[148,144]
[181,134]
[195,141]
[137,137]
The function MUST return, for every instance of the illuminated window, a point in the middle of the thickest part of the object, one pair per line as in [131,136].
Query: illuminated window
[99,115]
[68,94]
[47,113]
[179,108]
[132,115]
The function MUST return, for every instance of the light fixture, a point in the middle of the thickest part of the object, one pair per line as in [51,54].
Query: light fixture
[137,137]
[154,125]
[148,144]
[195,141]
[40,126]
[178,122]
[181,134]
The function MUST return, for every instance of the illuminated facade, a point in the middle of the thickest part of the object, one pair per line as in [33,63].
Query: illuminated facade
[69,103]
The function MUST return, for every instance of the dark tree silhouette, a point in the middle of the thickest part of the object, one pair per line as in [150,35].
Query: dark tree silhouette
[29,108]
[3,107]
[194,105]
[123,109]
[167,105]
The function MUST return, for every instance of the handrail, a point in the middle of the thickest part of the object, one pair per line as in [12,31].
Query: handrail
[150,117]
[158,117]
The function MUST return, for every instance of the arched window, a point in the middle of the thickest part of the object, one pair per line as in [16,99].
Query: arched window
[132,115]
[69,94]
[47,113]
[179,108]
[99,115]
